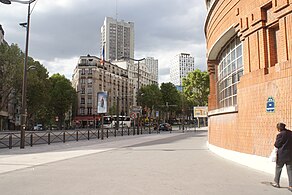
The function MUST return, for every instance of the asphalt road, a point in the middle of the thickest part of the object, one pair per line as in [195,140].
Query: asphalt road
[156,164]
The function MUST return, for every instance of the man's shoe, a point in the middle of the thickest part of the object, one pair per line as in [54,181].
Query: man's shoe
[276,185]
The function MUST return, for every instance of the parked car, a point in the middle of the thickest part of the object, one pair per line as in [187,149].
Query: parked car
[38,127]
[165,127]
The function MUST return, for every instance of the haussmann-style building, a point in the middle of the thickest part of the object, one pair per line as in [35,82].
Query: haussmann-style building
[88,78]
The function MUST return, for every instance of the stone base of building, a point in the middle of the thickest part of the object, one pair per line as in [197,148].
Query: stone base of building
[255,162]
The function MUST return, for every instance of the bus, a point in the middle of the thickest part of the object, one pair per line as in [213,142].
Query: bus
[111,121]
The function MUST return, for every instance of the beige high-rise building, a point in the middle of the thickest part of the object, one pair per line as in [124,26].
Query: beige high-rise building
[117,38]
[87,79]
[152,65]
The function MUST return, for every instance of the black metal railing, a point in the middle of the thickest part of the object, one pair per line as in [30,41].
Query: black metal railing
[12,139]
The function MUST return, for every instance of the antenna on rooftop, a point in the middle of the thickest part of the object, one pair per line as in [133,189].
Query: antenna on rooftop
[116,9]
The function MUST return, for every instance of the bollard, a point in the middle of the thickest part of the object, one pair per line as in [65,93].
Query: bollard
[77,135]
[88,135]
[128,130]
[107,133]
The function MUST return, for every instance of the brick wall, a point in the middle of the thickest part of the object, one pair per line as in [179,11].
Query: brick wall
[267,73]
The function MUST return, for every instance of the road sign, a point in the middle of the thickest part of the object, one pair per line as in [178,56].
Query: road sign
[157,113]
[136,109]
[270,106]
[133,115]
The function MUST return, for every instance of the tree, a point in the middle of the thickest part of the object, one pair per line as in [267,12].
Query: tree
[37,94]
[62,97]
[150,96]
[196,87]
[170,97]
[11,67]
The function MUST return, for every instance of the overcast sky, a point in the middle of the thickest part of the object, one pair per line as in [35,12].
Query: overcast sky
[63,30]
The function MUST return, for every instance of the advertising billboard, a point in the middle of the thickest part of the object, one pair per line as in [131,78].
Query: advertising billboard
[200,111]
[102,102]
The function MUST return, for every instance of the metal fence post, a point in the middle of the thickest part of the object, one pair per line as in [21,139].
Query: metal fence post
[10,141]
[123,130]
[49,138]
[31,140]
[64,137]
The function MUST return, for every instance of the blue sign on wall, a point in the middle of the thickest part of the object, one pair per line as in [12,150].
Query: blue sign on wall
[270,105]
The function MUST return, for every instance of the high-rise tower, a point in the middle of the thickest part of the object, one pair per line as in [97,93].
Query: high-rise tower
[181,65]
[117,38]
[152,65]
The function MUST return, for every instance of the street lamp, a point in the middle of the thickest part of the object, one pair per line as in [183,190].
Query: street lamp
[138,88]
[25,69]
[137,60]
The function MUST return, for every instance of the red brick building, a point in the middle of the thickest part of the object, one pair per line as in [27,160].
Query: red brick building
[249,51]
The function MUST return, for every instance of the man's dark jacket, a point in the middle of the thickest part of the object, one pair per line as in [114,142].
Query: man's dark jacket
[284,145]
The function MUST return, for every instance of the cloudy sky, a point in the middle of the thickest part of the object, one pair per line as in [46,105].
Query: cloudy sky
[63,30]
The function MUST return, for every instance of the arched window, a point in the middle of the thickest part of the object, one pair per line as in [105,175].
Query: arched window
[230,70]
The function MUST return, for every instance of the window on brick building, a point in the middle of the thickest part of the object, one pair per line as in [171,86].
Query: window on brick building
[273,33]
[230,70]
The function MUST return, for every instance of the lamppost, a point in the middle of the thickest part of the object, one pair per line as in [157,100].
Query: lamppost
[25,69]
[138,87]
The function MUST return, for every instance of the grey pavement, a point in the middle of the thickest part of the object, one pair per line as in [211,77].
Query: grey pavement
[156,164]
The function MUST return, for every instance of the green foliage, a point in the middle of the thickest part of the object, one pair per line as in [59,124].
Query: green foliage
[170,96]
[37,94]
[46,97]
[196,87]
[113,110]
[11,67]
[62,96]
[149,96]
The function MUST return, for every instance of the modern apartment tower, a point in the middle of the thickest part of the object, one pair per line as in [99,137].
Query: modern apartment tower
[181,65]
[152,65]
[117,39]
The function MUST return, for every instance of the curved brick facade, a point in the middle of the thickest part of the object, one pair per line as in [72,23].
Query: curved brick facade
[265,30]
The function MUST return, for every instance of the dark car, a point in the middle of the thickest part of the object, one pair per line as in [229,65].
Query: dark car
[165,127]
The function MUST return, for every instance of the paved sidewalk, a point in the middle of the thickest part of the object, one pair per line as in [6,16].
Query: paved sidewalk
[156,164]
